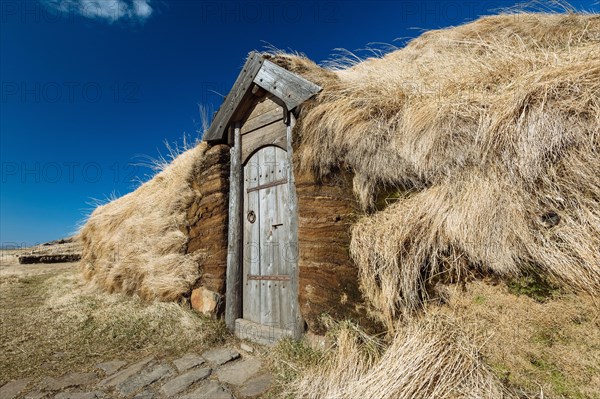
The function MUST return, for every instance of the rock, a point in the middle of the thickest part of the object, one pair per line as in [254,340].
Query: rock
[79,395]
[142,380]
[11,389]
[220,356]
[256,386]
[209,390]
[246,347]
[317,342]
[184,381]
[123,375]
[239,372]
[68,380]
[188,361]
[35,395]
[147,394]
[111,367]
[58,258]
[205,301]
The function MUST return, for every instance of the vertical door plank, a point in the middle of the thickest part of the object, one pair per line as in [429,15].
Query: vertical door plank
[282,290]
[297,323]
[269,302]
[251,242]
[233,299]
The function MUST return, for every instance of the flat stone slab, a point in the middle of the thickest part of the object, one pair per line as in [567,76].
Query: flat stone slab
[184,381]
[188,361]
[123,375]
[111,367]
[79,395]
[35,395]
[143,379]
[239,372]
[209,390]
[246,347]
[11,389]
[220,356]
[68,380]
[256,386]
[147,394]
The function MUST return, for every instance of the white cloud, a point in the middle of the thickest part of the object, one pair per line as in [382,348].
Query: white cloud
[107,10]
[141,8]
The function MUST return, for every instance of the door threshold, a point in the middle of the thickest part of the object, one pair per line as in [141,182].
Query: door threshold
[260,333]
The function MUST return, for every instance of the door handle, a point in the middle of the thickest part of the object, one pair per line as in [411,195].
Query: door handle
[277,225]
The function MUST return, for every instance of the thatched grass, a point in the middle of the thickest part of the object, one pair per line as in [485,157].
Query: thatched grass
[488,340]
[428,358]
[487,138]
[137,243]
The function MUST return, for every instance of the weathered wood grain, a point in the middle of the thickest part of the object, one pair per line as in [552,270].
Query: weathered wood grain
[233,299]
[296,323]
[232,108]
[288,87]
[264,119]
[272,134]
[281,234]
[269,303]
[292,89]
[251,295]
[264,113]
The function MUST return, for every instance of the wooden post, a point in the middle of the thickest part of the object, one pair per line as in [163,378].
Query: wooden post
[298,323]
[233,298]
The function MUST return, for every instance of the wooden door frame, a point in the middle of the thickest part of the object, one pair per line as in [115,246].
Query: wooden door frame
[234,295]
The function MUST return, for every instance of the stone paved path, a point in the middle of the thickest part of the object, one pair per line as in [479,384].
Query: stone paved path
[221,373]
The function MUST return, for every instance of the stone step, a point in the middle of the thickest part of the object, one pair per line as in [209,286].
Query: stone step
[209,390]
[11,389]
[220,356]
[188,361]
[143,379]
[239,372]
[184,381]
[123,375]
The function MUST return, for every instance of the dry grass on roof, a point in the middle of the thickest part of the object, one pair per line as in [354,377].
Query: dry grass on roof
[488,340]
[431,357]
[137,243]
[486,138]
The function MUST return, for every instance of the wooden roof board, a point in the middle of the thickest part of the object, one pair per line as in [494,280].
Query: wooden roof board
[222,119]
[290,88]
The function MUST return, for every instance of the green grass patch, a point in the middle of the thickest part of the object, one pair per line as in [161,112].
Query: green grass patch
[534,286]
[560,384]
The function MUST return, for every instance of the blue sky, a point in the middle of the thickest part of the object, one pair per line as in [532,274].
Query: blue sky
[91,88]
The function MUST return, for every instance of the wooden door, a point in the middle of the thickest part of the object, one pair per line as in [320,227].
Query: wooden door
[266,265]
